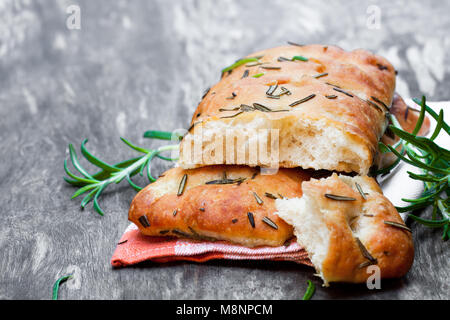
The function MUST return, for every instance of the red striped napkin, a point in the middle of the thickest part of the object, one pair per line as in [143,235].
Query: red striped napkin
[134,247]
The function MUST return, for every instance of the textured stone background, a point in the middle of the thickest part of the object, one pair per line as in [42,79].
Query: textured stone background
[139,65]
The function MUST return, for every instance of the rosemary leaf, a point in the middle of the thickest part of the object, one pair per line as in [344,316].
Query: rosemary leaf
[270,223]
[272,89]
[226,180]
[182,185]
[295,44]
[162,135]
[365,252]
[144,221]
[232,116]
[360,190]
[281,59]
[253,64]
[309,291]
[302,100]
[205,93]
[320,75]
[397,225]
[239,63]
[339,198]
[261,107]
[300,58]
[374,105]
[95,161]
[233,109]
[380,102]
[343,91]
[57,284]
[271,196]
[258,199]
[251,219]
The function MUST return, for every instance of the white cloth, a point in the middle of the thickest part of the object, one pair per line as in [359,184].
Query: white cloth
[398,184]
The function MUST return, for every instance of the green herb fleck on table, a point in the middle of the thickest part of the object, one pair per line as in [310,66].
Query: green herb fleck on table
[57,284]
[309,291]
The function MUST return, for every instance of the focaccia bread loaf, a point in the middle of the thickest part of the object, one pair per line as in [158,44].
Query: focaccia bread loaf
[231,203]
[345,232]
[327,112]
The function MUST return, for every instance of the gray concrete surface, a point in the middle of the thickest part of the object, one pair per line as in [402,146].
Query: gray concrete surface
[139,65]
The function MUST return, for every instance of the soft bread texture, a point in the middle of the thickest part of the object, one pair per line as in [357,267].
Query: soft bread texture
[217,211]
[329,229]
[339,133]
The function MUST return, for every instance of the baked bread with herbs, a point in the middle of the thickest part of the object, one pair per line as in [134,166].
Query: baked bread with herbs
[232,203]
[346,225]
[328,104]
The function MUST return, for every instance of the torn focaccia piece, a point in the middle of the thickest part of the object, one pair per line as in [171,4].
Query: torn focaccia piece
[230,203]
[323,106]
[346,224]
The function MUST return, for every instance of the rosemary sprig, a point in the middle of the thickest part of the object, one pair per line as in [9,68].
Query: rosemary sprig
[434,164]
[96,183]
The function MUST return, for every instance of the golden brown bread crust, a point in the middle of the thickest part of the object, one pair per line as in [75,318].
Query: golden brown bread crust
[359,73]
[392,247]
[216,211]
